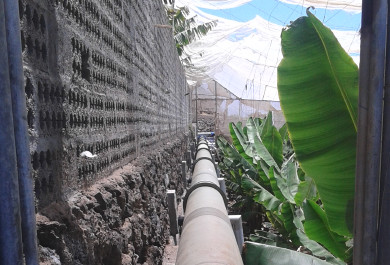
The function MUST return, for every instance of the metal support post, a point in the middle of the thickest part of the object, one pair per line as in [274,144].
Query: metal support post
[26,191]
[236,222]
[184,173]
[369,132]
[222,184]
[10,232]
[172,211]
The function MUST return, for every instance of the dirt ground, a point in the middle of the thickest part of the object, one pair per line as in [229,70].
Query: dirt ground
[170,251]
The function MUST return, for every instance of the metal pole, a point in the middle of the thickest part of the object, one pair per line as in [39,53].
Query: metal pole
[10,232]
[368,157]
[384,206]
[216,108]
[196,111]
[26,190]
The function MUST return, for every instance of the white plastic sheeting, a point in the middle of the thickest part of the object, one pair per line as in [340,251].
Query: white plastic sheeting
[346,5]
[243,57]
[214,4]
[354,6]
[218,106]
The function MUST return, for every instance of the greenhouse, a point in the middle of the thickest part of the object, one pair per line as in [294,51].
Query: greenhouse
[194,132]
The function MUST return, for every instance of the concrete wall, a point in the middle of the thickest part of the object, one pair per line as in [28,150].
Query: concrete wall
[100,77]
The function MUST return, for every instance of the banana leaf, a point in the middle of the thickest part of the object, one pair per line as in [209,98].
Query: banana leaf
[240,141]
[275,183]
[262,195]
[306,190]
[262,152]
[285,183]
[283,132]
[317,228]
[252,129]
[317,249]
[259,254]
[318,92]
[263,169]
[287,217]
[238,158]
[272,140]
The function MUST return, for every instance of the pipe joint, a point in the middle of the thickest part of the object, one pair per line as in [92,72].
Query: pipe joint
[204,184]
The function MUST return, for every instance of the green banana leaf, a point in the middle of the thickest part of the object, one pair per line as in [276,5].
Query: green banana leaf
[289,173]
[277,184]
[252,129]
[272,140]
[317,249]
[283,132]
[263,169]
[287,217]
[268,238]
[318,92]
[306,190]
[234,155]
[262,195]
[240,141]
[259,254]
[317,228]
[286,183]
[262,153]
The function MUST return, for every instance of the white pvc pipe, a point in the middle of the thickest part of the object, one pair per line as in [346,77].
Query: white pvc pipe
[207,236]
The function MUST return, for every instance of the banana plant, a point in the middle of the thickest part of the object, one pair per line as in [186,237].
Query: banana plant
[185,28]
[320,107]
[250,163]
[260,254]
[318,92]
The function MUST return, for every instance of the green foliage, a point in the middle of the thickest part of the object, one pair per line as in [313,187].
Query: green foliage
[310,203]
[282,188]
[185,28]
[260,254]
[318,91]
[317,228]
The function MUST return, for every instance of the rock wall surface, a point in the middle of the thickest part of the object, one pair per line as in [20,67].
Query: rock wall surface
[101,76]
[121,219]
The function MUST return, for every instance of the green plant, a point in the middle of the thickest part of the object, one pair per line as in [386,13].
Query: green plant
[185,28]
[318,91]
[259,254]
[310,202]
[279,185]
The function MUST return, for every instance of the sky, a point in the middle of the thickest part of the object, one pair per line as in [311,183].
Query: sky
[282,13]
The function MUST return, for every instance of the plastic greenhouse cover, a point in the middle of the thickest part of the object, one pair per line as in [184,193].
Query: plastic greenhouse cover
[346,5]
[243,56]
[215,4]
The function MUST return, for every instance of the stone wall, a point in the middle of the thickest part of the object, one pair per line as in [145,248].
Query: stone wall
[119,220]
[101,76]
